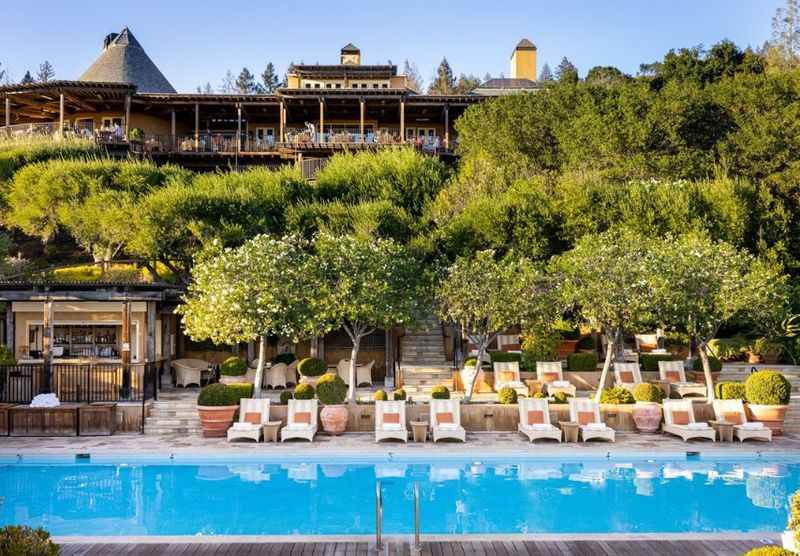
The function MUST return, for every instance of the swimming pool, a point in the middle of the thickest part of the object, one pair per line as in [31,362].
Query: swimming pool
[337,497]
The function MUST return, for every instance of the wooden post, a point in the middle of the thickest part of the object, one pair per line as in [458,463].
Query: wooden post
[127,115]
[47,338]
[8,116]
[281,121]
[10,340]
[126,349]
[196,126]
[389,353]
[172,128]
[402,120]
[361,119]
[166,345]
[446,126]
[61,115]
[150,354]
[321,120]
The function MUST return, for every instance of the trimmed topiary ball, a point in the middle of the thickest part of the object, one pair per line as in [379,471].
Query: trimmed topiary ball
[399,394]
[311,366]
[507,395]
[730,390]
[539,396]
[286,358]
[331,389]
[218,395]
[24,540]
[646,392]
[769,551]
[561,398]
[239,390]
[380,396]
[304,392]
[767,387]
[582,362]
[286,395]
[233,366]
[440,392]
[616,395]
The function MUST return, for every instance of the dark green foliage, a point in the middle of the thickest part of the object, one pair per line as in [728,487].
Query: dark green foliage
[646,392]
[649,361]
[311,366]
[21,540]
[216,395]
[440,392]
[728,349]
[582,362]
[505,357]
[238,391]
[287,358]
[286,395]
[304,392]
[7,356]
[586,342]
[233,366]
[794,515]
[767,387]
[616,395]
[730,390]
[399,394]
[507,395]
[713,362]
[380,396]
[331,389]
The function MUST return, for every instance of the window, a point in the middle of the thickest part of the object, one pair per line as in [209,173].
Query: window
[338,85]
[374,85]
[308,85]
[327,85]
[84,125]
[385,86]
[111,123]
[316,85]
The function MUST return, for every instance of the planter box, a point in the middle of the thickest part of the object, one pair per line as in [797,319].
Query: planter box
[44,421]
[4,418]
[97,419]
[566,348]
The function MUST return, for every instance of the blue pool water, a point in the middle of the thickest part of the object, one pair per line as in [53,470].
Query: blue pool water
[532,496]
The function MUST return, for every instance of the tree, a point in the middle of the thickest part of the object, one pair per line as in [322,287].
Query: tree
[246,82]
[269,78]
[257,290]
[700,284]
[228,84]
[566,72]
[546,73]
[477,294]
[786,32]
[606,277]
[444,81]
[46,72]
[27,78]
[413,78]
[466,84]
[605,75]
[361,285]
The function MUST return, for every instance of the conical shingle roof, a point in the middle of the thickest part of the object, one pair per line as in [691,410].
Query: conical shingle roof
[123,60]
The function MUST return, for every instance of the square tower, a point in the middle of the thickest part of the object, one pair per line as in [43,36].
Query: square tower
[523,61]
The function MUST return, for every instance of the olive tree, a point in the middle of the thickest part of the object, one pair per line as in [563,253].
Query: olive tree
[361,285]
[700,284]
[606,277]
[257,290]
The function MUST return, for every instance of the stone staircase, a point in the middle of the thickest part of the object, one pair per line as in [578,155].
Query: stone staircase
[175,412]
[738,372]
[423,362]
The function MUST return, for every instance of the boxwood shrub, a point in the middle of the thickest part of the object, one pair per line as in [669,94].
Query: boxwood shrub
[217,395]
[767,387]
[331,389]
[649,361]
[380,396]
[304,392]
[286,395]
[560,398]
[507,395]
[582,362]
[616,395]
[440,392]
[730,390]
[286,358]
[23,541]
[399,394]
[311,366]
[646,392]
[233,366]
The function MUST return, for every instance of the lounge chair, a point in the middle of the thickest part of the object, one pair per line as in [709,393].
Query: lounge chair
[390,420]
[446,420]
[363,372]
[534,420]
[674,373]
[253,415]
[301,421]
[275,376]
[509,343]
[646,343]
[627,375]
[732,411]
[551,375]
[291,373]
[507,375]
[679,420]
[586,413]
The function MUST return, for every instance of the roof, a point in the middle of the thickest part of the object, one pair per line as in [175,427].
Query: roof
[525,44]
[509,83]
[350,47]
[89,86]
[123,60]
[383,71]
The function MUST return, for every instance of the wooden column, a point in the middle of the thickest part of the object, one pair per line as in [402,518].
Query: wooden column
[402,120]
[281,122]
[47,339]
[166,343]
[172,128]
[321,120]
[446,126]
[8,116]
[389,352]
[10,329]
[126,349]
[127,115]
[238,128]
[196,126]
[150,351]
[61,115]
[361,119]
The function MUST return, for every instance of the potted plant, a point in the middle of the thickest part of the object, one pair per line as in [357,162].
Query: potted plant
[217,405]
[233,371]
[568,343]
[332,391]
[768,394]
[440,392]
[311,369]
[791,537]
[647,413]
[763,350]
[507,396]
[304,392]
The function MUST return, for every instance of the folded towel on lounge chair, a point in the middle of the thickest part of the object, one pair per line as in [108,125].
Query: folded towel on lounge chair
[449,426]
[596,426]
[697,426]
[245,426]
[540,426]
[752,426]
[392,426]
[561,383]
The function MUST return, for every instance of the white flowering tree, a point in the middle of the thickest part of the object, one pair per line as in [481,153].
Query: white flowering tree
[361,285]
[248,293]
[484,297]
[700,284]
[606,276]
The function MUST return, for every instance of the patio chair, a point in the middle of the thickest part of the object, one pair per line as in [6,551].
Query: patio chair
[446,420]
[301,421]
[627,375]
[534,420]
[551,375]
[679,420]
[509,343]
[291,373]
[674,373]
[732,411]
[189,371]
[506,374]
[275,376]
[646,343]
[586,413]
[253,415]
[390,420]
[364,374]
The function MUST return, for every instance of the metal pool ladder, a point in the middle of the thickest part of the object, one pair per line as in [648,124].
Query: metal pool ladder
[379,516]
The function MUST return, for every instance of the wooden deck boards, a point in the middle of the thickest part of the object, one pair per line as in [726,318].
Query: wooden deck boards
[454,548]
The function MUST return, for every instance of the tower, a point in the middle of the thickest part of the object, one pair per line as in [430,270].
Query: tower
[350,55]
[523,61]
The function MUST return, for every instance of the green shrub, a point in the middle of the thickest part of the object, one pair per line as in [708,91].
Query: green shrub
[582,362]
[616,395]
[216,395]
[380,396]
[311,366]
[646,392]
[233,366]
[286,395]
[649,361]
[730,390]
[331,389]
[771,550]
[507,395]
[21,540]
[287,358]
[767,387]
[7,356]
[539,396]
[440,392]
[541,345]
[794,516]
[239,390]
[728,349]
[505,357]
[304,392]
[561,398]
[766,348]
[713,362]
[399,394]
[587,342]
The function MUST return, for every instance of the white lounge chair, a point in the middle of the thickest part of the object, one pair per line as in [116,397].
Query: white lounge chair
[301,420]
[551,375]
[732,411]
[534,420]
[190,371]
[275,376]
[253,415]
[674,373]
[506,374]
[446,420]
[646,343]
[679,420]
[586,413]
[627,375]
[390,420]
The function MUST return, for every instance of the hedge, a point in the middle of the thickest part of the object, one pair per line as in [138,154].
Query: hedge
[730,390]
[331,389]
[616,395]
[304,392]
[440,393]
[582,362]
[507,395]
[649,361]
[233,366]
[216,395]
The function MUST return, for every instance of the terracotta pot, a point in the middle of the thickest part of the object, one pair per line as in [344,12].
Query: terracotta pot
[566,347]
[700,376]
[771,415]
[216,420]
[238,379]
[754,358]
[334,419]
[647,416]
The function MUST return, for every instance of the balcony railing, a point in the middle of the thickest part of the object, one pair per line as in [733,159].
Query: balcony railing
[51,129]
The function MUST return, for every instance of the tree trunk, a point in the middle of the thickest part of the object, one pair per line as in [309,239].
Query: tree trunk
[262,354]
[701,351]
[606,366]
[351,390]
[482,345]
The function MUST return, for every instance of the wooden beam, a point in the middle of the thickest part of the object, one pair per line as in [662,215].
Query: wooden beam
[79,103]
[282,122]
[196,126]
[125,351]
[47,338]
[402,119]
[127,114]
[150,354]
[89,295]
[321,120]
[61,115]
[8,116]
[172,128]
[10,338]
[361,119]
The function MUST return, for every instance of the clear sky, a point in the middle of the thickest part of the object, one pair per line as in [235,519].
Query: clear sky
[197,41]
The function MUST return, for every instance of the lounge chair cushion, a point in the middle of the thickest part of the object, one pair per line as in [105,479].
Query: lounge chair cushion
[303,417]
[391,418]
[751,426]
[647,347]
[733,417]
[672,376]
[449,426]
[444,418]
[697,426]
[585,417]
[238,426]
[561,383]
[596,426]
[549,377]
[252,417]
[542,427]
[680,417]
[536,417]
[508,376]
[626,377]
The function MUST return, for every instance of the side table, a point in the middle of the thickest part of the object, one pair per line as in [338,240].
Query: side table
[724,430]
[419,430]
[570,429]
[270,430]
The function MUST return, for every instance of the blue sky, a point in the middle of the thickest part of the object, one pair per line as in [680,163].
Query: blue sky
[197,41]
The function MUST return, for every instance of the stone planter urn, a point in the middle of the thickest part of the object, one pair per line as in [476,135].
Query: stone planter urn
[334,419]
[771,415]
[647,416]
[216,420]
